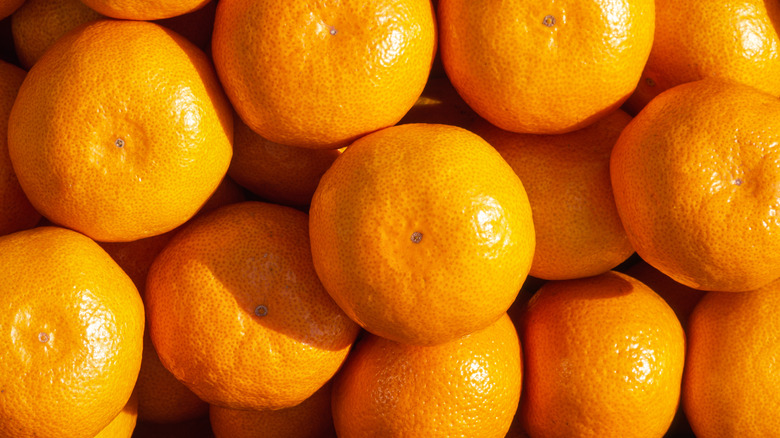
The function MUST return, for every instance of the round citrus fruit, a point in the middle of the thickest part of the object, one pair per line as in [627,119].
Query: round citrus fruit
[545,67]
[237,313]
[695,177]
[697,39]
[144,9]
[321,74]
[421,233]
[72,335]
[731,380]
[604,357]
[120,130]
[566,176]
[39,23]
[310,419]
[277,173]
[16,212]
[466,387]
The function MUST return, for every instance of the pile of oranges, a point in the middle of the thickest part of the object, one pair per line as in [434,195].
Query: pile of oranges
[390,218]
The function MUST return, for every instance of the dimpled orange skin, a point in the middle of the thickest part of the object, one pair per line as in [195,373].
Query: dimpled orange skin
[72,324]
[696,177]
[468,387]
[566,176]
[421,233]
[545,67]
[695,39]
[102,145]
[278,173]
[310,419]
[730,384]
[144,9]
[16,212]
[603,356]
[237,313]
[322,74]
[39,23]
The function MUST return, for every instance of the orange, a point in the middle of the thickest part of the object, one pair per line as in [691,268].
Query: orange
[441,103]
[731,380]
[545,67]
[278,173]
[237,313]
[421,233]
[468,387]
[7,7]
[682,299]
[103,146]
[321,74]
[39,23]
[72,335]
[697,39]
[695,179]
[310,419]
[123,425]
[144,9]
[161,397]
[16,212]
[566,176]
[604,356]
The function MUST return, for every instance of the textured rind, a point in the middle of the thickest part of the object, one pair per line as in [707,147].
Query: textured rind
[468,387]
[322,74]
[731,380]
[695,39]
[476,235]
[604,356]
[61,283]
[525,76]
[566,176]
[203,297]
[696,177]
[128,81]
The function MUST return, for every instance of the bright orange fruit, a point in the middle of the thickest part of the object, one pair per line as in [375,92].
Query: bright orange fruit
[604,356]
[72,330]
[730,384]
[103,146]
[566,176]
[321,74]
[695,177]
[545,67]
[468,387]
[237,313]
[421,233]
[697,39]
